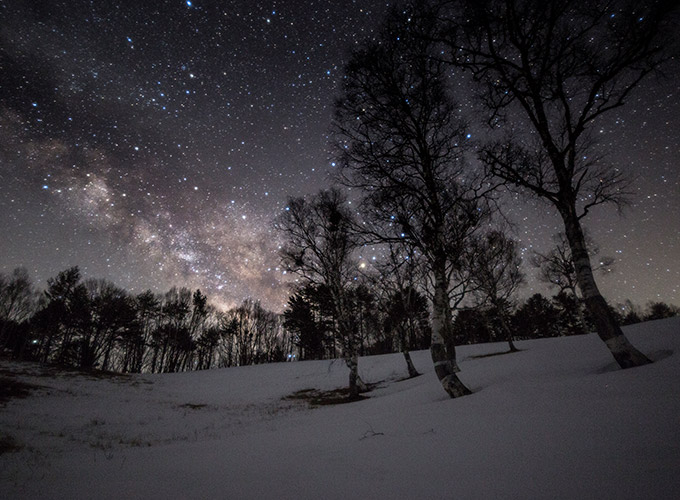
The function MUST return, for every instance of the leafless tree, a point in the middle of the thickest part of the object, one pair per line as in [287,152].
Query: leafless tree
[546,72]
[319,247]
[400,141]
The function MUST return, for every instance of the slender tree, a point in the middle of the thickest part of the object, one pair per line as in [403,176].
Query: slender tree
[399,142]
[319,247]
[546,72]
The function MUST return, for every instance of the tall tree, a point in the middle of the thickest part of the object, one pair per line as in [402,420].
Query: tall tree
[399,142]
[546,72]
[112,317]
[65,313]
[148,307]
[319,246]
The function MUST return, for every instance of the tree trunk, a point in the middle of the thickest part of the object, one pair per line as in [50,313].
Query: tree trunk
[444,359]
[356,385]
[412,372]
[346,332]
[506,329]
[607,329]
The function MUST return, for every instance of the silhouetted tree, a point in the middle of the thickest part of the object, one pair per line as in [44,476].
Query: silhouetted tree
[148,309]
[546,72]
[474,325]
[536,318]
[661,310]
[299,319]
[64,313]
[571,319]
[399,142]
[112,318]
[495,266]
[18,301]
[319,245]
[405,309]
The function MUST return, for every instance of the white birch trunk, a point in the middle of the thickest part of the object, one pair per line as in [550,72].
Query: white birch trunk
[442,348]
[412,372]
[625,354]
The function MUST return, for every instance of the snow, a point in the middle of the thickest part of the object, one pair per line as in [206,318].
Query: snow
[556,420]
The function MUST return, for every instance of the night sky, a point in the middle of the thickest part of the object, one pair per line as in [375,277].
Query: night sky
[152,143]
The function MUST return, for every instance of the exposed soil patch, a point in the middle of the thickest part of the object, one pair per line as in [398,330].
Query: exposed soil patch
[10,389]
[193,406]
[316,398]
[52,370]
[8,444]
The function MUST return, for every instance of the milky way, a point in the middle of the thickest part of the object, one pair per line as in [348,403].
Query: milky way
[152,144]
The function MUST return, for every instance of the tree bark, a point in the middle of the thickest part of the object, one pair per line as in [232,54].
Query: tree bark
[506,329]
[347,333]
[625,354]
[356,385]
[444,359]
[412,372]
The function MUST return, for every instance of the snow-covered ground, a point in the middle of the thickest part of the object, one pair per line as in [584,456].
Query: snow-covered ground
[556,420]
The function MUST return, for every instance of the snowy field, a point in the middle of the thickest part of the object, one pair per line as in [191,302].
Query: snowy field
[556,420]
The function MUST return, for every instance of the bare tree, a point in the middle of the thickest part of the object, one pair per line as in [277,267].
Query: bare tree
[496,272]
[546,72]
[319,247]
[399,141]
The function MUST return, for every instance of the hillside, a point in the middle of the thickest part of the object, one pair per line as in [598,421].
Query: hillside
[556,420]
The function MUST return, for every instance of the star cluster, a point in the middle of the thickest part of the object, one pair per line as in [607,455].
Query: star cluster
[152,143]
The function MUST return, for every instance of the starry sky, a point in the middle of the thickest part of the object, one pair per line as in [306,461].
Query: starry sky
[153,142]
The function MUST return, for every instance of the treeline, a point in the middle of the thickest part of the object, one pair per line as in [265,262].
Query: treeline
[93,324]
[541,317]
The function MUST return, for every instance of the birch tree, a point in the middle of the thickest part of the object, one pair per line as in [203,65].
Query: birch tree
[399,141]
[546,73]
[319,247]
